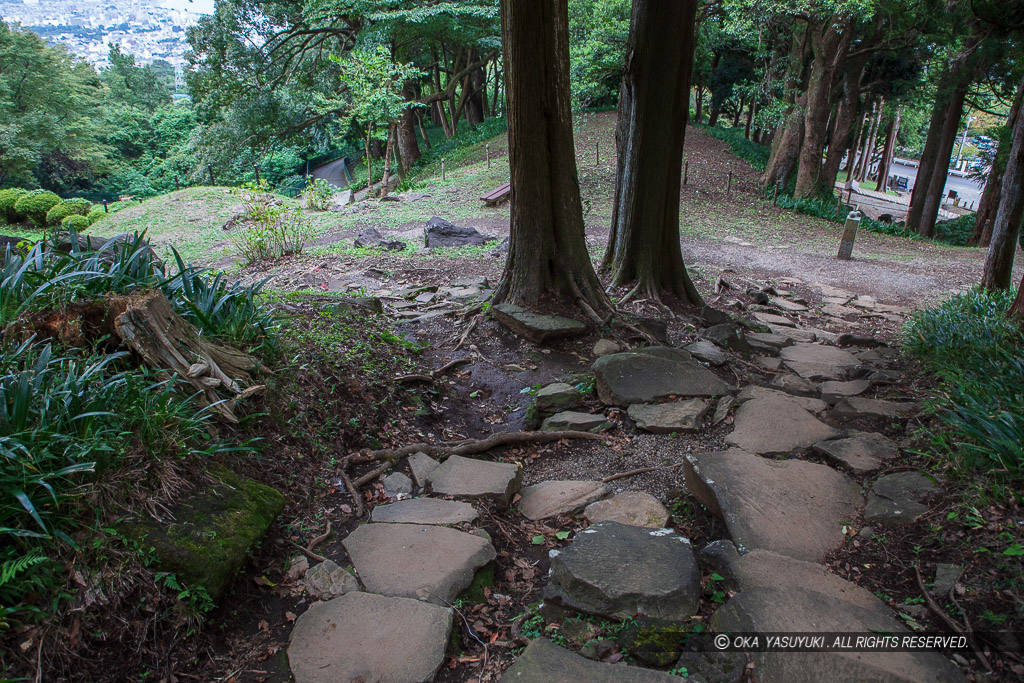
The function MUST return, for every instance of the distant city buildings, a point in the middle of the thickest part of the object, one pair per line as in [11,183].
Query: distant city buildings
[148,29]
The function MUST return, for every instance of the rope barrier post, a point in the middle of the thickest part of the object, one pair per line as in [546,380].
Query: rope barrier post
[686,172]
[256,169]
[213,180]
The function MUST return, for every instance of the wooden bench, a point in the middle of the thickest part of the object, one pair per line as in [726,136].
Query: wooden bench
[497,195]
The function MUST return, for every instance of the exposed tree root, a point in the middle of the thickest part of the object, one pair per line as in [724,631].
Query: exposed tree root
[473,447]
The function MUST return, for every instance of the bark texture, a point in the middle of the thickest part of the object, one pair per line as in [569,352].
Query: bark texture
[830,42]
[547,249]
[888,150]
[989,203]
[408,147]
[998,272]
[643,248]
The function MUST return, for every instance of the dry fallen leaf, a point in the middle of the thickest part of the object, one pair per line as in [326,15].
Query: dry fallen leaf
[290,616]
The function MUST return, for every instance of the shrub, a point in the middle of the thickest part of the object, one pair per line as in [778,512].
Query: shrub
[75,222]
[318,194]
[974,349]
[8,198]
[273,232]
[96,214]
[957,231]
[34,205]
[69,207]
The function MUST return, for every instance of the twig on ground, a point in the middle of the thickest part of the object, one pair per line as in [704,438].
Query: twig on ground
[473,447]
[311,555]
[371,475]
[962,629]
[317,540]
[642,470]
[354,492]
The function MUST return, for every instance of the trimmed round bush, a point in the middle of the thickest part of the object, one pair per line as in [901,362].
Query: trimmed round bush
[8,198]
[96,214]
[76,222]
[69,207]
[34,205]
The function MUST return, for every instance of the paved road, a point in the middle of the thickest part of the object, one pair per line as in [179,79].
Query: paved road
[967,189]
[333,173]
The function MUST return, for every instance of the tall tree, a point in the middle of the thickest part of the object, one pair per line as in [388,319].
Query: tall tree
[547,249]
[1006,227]
[654,104]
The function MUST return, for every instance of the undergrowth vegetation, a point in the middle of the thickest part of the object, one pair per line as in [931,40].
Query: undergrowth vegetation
[85,431]
[975,351]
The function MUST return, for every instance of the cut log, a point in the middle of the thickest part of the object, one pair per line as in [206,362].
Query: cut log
[168,343]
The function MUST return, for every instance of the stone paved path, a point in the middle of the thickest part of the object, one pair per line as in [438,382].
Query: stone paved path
[783,516]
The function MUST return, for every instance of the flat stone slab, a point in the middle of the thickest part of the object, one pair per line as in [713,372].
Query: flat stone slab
[838,311]
[862,453]
[433,563]
[787,305]
[798,609]
[327,580]
[709,352]
[425,511]
[817,361]
[776,425]
[833,392]
[634,508]
[895,499]
[797,334]
[772,319]
[778,341]
[343,640]
[544,662]
[552,498]
[682,417]
[793,384]
[790,507]
[857,406]
[557,397]
[569,420]
[751,392]
[626,378]
[762,568]
[477,479]
[592,576]
[536,327]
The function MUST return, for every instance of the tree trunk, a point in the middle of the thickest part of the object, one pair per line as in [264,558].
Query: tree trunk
[888,151]
[998,272]
[408,148]
[387,162]
[1017,309]
[938,149]
[845,115]
[739,112]
[750,117]
[872,141]
[830,42]
[982,235]
[654,104]
[475,83]
[369,160]
[547,247]
[698,113]
[423,131]
[854,154]
[789,135]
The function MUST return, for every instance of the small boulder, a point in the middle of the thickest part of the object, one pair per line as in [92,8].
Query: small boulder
[862,453]
[396,484]
[606,347]
[477,479]
[682,417]
[537,327]
[896,499]
[634,508]
[572,421]
[728,336]
[372,238]
[421,466]
[441,233]
[708,352]
[557,397]
[327,580]
[862,341]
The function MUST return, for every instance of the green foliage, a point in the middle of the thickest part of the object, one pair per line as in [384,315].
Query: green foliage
[69,207]
[974,349]
[270,229]
[754,154]
[35,205]
[957,231]
[8,198]
[598,31]
[96,214]
[318,194]
[76,223]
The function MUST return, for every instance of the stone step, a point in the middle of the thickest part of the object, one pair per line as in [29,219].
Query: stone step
[634,508]
[818,362]
[416,561]
[477,480]
[790,507]
[862,453]
[367,637]
[573,421]
[425,511]
[553,498]
[678,417]
[777,425]
[544,662]
[626,378]
[619,571]
[897,499]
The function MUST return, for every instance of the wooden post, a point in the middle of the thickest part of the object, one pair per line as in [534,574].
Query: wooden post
[487,151]
[177,185]
[849,235]
[728,187]
[442,169]
[686,172]
[106,209]
[213,180]
[775,196]
[597,152]
[256,169]
[839,204]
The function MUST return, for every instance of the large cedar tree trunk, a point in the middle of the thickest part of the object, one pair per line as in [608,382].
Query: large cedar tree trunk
[830,42]
[845,116]
[547,249]
[989,203]
[1006,227]
[643,247]
[477,84]
[787,139]
[408,147]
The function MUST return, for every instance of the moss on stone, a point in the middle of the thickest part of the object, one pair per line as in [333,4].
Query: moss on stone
[474,593]
[210,536]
